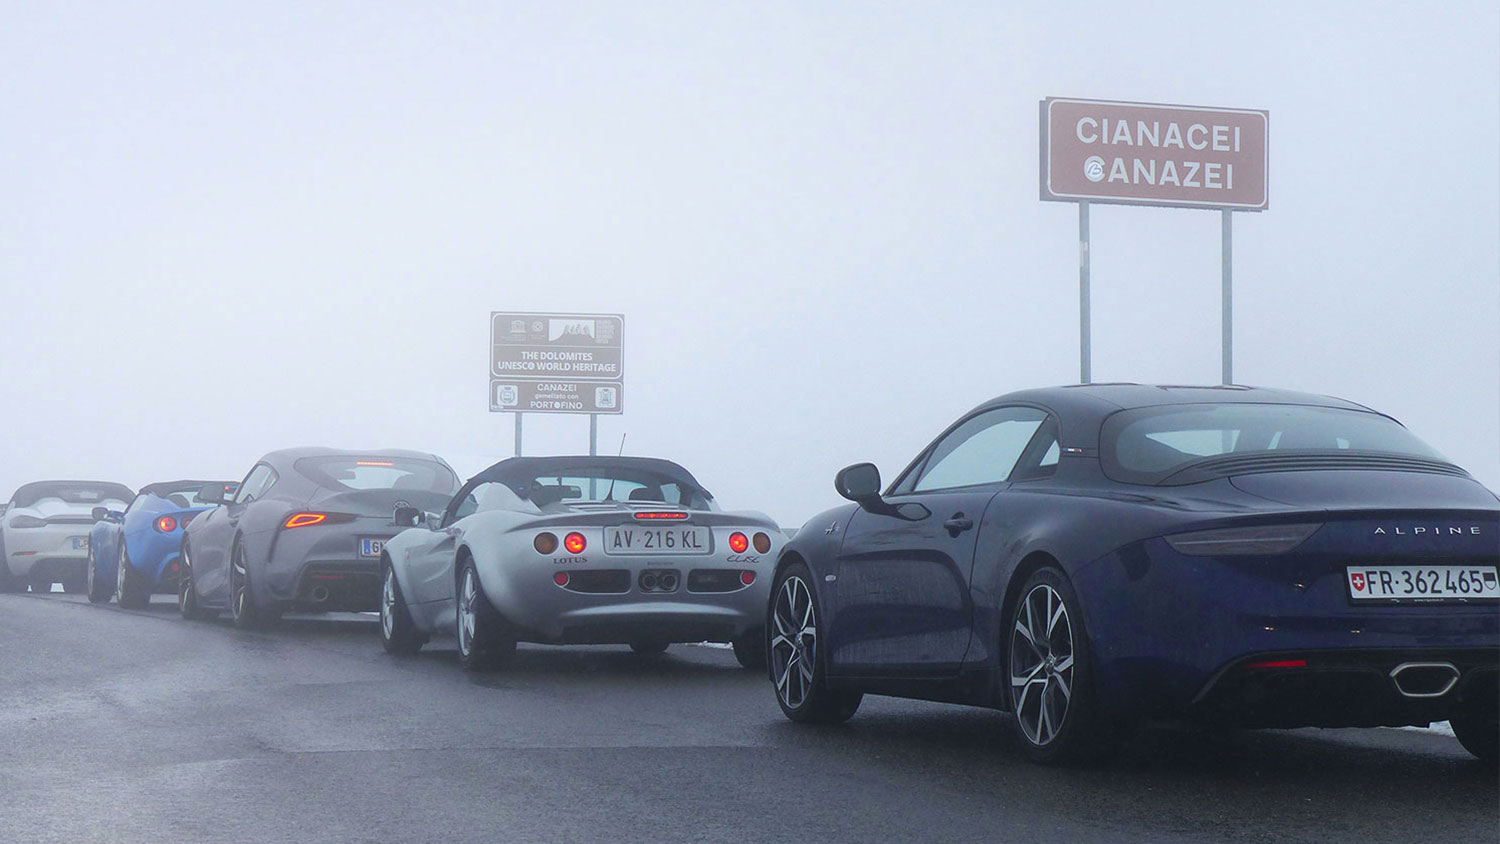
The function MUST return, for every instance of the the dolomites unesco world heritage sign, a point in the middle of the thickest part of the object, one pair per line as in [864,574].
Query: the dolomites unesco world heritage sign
[1150,154]
[556,363]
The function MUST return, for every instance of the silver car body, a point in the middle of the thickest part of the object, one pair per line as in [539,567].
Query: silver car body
[599,595]
[45,528]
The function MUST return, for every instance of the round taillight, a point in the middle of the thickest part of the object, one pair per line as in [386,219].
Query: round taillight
[575,543]
[545,543]
[762,543]
[166,524]
[738,543]
[747,577]
[561,578]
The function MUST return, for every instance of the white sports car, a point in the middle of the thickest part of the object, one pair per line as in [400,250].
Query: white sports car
[578,550]
[44,533]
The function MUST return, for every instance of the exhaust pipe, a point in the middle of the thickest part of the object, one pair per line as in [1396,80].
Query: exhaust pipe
[648,582]
[668,582]
[1424,679]
[320,594]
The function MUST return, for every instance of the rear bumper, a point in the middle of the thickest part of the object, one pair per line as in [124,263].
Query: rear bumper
[1348,688]
[47,549]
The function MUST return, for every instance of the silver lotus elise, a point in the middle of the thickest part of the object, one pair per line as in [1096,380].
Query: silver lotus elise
[578,550]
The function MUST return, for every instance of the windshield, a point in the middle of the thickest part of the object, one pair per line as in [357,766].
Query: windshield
[360,473]
[1147,445]
[609,486]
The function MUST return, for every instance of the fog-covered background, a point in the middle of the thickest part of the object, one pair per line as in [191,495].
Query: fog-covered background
[229,228]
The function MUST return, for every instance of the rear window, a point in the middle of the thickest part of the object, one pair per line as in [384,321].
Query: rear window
[71,492]
[357,473]
[1150,444]
[609,485]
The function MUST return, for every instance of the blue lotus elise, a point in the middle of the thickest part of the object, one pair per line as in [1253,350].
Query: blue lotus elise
[134,553]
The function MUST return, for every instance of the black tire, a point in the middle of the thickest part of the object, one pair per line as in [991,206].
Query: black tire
[98,590]
[750,650]
[485,643]
[188,604]
[398,633]
[130,587]
[1476,722]
[1059,717]
[649,648]
[243,611]
[802,691]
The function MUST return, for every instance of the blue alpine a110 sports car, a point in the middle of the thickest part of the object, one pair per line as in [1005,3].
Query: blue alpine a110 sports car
[135,553]
[1091,557]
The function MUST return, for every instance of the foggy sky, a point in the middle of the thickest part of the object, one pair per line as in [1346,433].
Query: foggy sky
[230,228]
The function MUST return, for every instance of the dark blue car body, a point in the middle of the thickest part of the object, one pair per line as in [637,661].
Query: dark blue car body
[911,606]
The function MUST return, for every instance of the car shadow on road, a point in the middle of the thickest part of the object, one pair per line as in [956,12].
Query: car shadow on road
[544,662]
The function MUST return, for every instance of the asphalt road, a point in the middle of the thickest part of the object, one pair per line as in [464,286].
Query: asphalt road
[127,726]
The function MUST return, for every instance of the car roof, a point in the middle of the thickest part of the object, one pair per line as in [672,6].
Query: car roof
[287,456]
[1082,408]
[514,469]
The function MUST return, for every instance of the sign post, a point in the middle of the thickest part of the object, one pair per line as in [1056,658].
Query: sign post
[556,363]
[1176,156]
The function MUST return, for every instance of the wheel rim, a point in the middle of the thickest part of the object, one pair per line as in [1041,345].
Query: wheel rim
[241,589]
[388,604]
[794,642]
[120,572]
[467,617]
[92,567]
[185,583]
[1041,665]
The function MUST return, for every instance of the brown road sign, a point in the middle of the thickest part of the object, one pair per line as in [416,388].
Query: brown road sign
[1153,154]
[556,346]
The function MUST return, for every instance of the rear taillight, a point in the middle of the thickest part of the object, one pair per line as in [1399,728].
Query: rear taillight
[762,543]
[1241,541]
[561,578]
[738,543]
[1279,663]
[166,524]
[575,543]
[747,577]
[297,520]
[545,543]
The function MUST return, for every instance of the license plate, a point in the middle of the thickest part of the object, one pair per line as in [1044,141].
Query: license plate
[80,542]
[1422,583]
[371,547]
[657,541]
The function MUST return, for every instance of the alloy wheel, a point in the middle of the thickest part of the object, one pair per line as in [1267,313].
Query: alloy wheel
[93,574]
[467,615]
[388,604]
[1041,665]
[240,584]
[794,642]
[120,573]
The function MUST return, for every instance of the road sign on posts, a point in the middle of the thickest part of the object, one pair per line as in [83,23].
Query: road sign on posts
[556,363]
[1153,154]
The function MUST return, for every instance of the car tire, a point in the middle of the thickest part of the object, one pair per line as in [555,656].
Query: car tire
[98,593]
[188,605]
[799,667]
[130,586]
[1049,680]
[243,610]
[484,639]
[398,633]
[1476,723]
[650,648]
[750,650]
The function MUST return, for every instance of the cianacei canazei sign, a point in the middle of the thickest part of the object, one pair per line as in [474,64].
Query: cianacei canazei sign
[1152,154]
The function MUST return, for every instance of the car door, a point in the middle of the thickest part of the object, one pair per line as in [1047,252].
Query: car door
[212,540]
[901,597]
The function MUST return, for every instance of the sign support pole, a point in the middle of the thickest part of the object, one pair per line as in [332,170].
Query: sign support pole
[593,434]
[1226,218]
[518,435]
[1085,364]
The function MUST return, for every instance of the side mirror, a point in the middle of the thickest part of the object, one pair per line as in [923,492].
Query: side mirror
[407,516]
[100,513]
[859,483]
[212,494]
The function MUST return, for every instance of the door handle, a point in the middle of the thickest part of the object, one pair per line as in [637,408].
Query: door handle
[958,524]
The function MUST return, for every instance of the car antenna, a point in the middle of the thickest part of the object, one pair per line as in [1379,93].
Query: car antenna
[610,496]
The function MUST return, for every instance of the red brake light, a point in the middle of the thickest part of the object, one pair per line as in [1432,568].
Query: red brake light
[738,543]
[373,463]
[166,524]
[297,520]
[561,578]
[575,543]
[545,543]
[1279,663]
[658,516]
[747,577]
